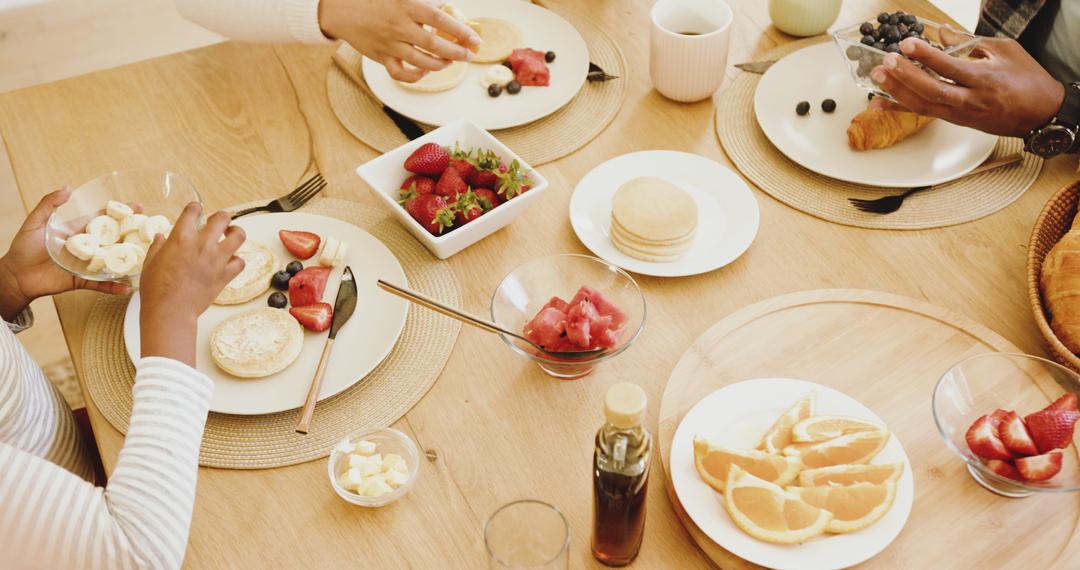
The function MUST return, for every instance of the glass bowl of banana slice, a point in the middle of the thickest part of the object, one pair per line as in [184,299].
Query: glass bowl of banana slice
[104,229]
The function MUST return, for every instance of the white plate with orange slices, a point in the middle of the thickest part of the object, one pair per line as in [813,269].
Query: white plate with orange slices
[818,482]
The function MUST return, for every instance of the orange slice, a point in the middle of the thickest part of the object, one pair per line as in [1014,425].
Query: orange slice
[779,435]
[765,512]
[851,474]
[853,507]
[714,463]
[821,428]
[855,448]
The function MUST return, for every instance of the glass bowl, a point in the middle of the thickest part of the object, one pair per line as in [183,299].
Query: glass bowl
[387,440]
[1018,382]
[525,290]
[861,59]
[152,192]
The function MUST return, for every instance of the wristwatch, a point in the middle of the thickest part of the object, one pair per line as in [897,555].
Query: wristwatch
[1061,134]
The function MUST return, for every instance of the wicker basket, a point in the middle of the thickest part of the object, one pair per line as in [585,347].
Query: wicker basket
[1053,223]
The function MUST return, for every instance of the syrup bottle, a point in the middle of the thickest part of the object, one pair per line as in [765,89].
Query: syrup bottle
[621,476]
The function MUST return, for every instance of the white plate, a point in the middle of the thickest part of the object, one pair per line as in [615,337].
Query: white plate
[540,30]
[727,210]
[738,415]
[818,141]
[361,344]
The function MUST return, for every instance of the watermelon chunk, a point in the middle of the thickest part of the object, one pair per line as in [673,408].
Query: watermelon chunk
[602,304]
[556,302]
[579,322]
[530,68]
[547,328]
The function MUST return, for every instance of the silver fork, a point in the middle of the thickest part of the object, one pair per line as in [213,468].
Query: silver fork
[292,200]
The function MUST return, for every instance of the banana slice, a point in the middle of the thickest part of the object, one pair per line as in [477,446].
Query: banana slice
[118,210]
[343,248]
[123,259]
[153,226]
[97,262]
[82,246]
[328,257]
[131,224]
[105,229]
[135,239]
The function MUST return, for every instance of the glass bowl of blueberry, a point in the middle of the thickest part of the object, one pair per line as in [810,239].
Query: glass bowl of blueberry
[863,46]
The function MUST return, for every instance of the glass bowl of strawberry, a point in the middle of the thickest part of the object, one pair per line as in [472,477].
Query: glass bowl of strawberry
[1011,418]
[577,305]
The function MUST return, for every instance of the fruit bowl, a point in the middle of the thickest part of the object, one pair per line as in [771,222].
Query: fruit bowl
[386,173]
[984,383]
[150,192]
[387,441]
[529,288]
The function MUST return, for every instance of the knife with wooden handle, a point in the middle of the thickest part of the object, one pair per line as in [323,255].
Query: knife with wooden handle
[407,126]
[343,309]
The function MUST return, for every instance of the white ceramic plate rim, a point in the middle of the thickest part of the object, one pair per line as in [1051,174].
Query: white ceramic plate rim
[377,333]
[720,193]
[825,61]
[759,402]
[540,29]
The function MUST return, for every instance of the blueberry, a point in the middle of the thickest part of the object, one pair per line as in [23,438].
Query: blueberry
[918,27]
[549,56]
[909,19]
[294,267]
[869,96]
[883,18]
[280,280]
[828,105]
[880,46]
[494,90]
[894,19]
[802,108]
[913,34]
[513,87]
[876,34]
[868,40]
[278,300]
[507,65]
[853,52]
[892,48]
[902,29]
[866,28]
[891,36]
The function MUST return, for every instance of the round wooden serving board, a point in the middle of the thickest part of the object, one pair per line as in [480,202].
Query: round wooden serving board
[887,352]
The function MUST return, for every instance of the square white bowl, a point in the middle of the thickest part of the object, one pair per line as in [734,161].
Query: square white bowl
[386,173]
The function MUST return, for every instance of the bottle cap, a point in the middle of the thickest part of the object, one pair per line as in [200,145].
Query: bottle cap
[625,405]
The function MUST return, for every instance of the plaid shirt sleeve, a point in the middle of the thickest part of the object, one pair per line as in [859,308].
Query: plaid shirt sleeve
[1007,18]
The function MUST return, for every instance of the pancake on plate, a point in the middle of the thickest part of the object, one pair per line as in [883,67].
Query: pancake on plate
[653,220]
[500,38]
[442,80]
[256,343]
[260,263]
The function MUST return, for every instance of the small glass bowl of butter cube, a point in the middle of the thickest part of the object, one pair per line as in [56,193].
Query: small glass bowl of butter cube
[374,468]
[104,229]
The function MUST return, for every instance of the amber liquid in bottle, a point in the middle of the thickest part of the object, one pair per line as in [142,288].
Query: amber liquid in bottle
[620,481]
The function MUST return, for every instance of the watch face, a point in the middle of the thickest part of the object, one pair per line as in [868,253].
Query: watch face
[1052,141]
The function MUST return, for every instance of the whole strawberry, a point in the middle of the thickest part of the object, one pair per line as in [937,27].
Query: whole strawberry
[451,184]
[468,208]
[432,212]
[461,160]
[487,170]
[514,181]
[419,184]
[430,159]
[487,198]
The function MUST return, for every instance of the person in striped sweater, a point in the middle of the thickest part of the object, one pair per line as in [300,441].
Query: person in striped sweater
[51,515]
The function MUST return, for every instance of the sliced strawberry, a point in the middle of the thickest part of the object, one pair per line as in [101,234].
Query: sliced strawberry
[418,184]
[307,286]
[999,416]
[983,440]
[1051,429]
[429,159]
[315,317]
[1004,469]
[1015,436]
[451,185]
[303,245]
[1040,467]
[1067,401]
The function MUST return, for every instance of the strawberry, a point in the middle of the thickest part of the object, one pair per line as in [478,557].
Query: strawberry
[486,176]
[432,212]
[513,182]
[1051,429]
[999,416]
[983,440]
[316,317]
[460,160]
[307,286]
[303,245]
[450,185]
[420,184]
[1040,467]
[1067,401]
[429,159]
[1004,469]
[468,208]
[487,198]
[1015,436]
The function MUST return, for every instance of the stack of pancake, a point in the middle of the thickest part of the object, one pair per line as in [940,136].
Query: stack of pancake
[653,220]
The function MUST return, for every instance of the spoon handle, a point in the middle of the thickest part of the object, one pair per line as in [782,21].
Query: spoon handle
[439,307]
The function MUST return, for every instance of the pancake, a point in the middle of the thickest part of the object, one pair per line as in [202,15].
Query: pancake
[436,81]
[259,265]
[256,343]
[654,210]
[500,39]
[631,247]
[629,237]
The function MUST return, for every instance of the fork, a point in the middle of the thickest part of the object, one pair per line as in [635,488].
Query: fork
[292,200]
[890,204]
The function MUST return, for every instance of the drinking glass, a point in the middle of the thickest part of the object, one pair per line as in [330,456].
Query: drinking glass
[527,534]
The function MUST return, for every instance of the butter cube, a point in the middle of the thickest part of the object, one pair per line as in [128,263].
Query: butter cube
[364,447]
[372,465]
[352,479]
[396,478]
[343,447]
[357,460]
[395,462]
[376,487]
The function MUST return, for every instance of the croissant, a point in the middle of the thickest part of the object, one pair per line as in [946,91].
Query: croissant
[880,128]
[1061,288]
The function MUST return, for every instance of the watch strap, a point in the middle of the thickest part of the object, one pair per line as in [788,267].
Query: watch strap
[1069,114]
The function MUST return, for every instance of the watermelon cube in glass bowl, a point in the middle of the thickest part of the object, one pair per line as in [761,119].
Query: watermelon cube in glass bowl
[568,303]
[387,174]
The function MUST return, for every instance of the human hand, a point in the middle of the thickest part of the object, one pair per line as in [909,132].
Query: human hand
[26,270]
[390,31]
[1002,90]
[181,277]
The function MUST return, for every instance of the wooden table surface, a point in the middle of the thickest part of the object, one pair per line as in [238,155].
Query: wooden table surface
[244,121]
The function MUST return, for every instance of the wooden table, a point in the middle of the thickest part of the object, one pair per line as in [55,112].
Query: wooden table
[244,121]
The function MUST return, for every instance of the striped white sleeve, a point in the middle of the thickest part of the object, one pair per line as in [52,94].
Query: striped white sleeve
[50,518]
[257,20]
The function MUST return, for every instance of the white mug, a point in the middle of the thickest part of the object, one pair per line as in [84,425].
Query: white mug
[689,47]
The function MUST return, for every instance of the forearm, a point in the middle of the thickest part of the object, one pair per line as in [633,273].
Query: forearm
[12,301]
[168,332]
[257,20]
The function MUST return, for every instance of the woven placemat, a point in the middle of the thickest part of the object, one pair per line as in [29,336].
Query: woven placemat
[948,204]
[380,399]
[539,142]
